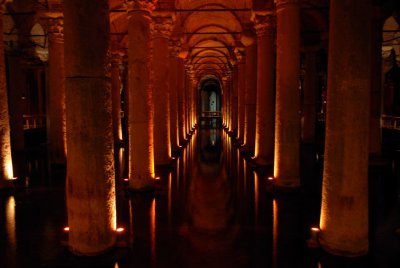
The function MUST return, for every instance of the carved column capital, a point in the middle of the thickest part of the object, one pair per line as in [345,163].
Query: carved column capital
[141,5]
[264,23]
[163,23]
[175,46]
[240,55]
[55,28]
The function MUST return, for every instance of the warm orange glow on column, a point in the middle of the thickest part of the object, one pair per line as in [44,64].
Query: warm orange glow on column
[153,230]
[10,223]
[256,197]
[275,233]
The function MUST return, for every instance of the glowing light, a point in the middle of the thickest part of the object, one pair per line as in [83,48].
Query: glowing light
[126,179]
[275,233]
[116,265]
[270,178]
[314,233]
[9,170]
[66,229]
[14,178]
[256,197]
[157,178]
[153,229]
[120,230]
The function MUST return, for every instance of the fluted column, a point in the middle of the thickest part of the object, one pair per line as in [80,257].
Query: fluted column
[90,185]
[287,119]
[344,210]
[174,48]
[141,127]
[310,97]
[250,92]
[265,106]
[116,84]
[161,33]
[6,167]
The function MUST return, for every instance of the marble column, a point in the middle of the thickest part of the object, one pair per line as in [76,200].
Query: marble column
[90,185]
[265,104]
[56,117]
[116,85]
[310,97]
[250,92]
[140,118]
[6,166]
[174,49]
[287,104]
[344,209]
[161,93]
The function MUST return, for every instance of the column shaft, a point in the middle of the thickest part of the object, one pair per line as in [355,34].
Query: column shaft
[116,85]
[265,106]
[6,167]
[162,141]
[90,186]
[344,210]
[241,100]
[181,102]
[141,149]
[310,98]
[287,121]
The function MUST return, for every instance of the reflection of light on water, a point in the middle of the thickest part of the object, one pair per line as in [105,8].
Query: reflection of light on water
[153,229]
[10,223]
[169,198]
[255,196]
[116,265]
[275,233]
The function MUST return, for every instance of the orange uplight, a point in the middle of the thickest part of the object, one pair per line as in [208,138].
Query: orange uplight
[66,229]
[120,230]
[126,179]
[14,178]
[157,178]
[270,178]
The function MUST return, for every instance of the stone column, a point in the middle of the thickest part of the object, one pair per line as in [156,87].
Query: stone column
[140,118]
[344,210]
[181,102]
[250,92]
[6,167]
[240,55]
[56,116]
[162,141]
[235,88]
[116,84]
[174,48]
[287,105]
[90,185]
[310,97]
[265,106]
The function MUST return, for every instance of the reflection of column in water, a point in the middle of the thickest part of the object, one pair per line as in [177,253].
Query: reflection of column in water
[169,200]
[275,234]
[153,230]
[256,198]
[10,228]
[131,226]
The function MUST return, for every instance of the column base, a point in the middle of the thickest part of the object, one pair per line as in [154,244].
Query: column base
[147,185]
[6,185]
[262,161]
[91,254]
[334,250]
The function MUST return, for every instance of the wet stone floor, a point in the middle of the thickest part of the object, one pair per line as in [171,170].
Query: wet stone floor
[211,208]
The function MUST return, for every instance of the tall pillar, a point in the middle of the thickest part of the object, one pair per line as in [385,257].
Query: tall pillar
[181,101]
[116,84]
[90,185]
[140,118]
[6,167]
[240,55]
[56,117]
[310,97]
[265,106]
[344,210]
[250,92]
[235,88]
[174,48]
[161,33]
[287,105]
[375,144]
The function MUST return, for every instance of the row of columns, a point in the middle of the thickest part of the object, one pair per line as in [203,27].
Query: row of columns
[344,210]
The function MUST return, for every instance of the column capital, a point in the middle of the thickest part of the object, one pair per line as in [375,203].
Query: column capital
[284,3]
[175,46]
[264,23]
[140,5]
[240,54]
[163,23]
[116,57]
[55,28]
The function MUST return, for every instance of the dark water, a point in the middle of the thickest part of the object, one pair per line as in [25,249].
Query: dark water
[211,209]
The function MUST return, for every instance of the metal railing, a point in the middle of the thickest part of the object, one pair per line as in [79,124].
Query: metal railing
[34,121]
[390,122]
